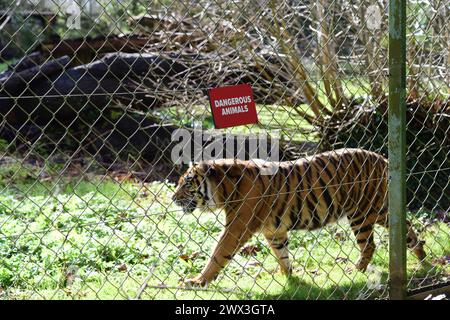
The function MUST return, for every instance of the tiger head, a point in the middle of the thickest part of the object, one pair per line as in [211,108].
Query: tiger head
[191,190]
[202,184]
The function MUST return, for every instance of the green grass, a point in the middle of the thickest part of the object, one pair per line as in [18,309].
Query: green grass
[96,238]
[271,117]
[4,65]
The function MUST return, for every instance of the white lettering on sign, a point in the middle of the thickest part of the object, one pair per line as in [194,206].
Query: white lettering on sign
[232,106]
[234,110]
[231,101]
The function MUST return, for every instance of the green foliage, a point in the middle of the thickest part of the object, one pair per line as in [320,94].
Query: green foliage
[22,34]
[3,145]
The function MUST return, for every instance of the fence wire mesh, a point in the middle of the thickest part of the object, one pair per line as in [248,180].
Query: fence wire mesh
[92,92]
[428,102]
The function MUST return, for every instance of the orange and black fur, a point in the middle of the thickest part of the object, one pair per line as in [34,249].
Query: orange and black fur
[305,194]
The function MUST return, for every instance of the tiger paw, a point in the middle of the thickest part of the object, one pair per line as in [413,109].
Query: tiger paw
[420,253]
[362,265]
[287,271]
[197,282]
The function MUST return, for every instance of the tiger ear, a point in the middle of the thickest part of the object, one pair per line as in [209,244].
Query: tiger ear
[210,170]
[192,164]
[202,168]
[219,169]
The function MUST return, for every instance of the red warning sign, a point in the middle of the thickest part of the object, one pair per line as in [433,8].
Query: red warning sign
[232,106]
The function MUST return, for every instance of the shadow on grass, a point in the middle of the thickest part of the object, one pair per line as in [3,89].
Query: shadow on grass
[296,288]
[299,289]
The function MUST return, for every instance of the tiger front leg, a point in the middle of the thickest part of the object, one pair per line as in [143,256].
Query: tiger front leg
[279,244]
[235,235]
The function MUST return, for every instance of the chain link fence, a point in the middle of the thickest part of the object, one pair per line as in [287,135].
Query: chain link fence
[92,93]
[428,165]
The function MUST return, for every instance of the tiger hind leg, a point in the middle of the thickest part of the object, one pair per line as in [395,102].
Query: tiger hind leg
[279,244]
[364,239]
[362,227]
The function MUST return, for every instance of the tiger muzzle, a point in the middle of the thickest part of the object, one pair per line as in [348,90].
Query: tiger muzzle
[188,205]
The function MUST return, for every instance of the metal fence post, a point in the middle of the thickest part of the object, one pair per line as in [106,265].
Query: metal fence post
[397,149]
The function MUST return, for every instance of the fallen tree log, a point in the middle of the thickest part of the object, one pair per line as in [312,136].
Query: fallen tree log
[32,60]
[14,82]
[63,94]
[136,138]
[141,80]
[88,49]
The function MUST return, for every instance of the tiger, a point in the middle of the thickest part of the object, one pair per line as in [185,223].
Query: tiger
[305,194]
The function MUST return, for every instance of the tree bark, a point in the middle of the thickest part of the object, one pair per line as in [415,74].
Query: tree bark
[12,82]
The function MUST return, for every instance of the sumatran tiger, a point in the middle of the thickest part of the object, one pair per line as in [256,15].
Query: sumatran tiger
[305,194]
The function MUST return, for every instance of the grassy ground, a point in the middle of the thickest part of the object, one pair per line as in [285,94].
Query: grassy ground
[83,236]
[271,117]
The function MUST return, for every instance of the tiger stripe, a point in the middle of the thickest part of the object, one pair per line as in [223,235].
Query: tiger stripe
[306,194]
